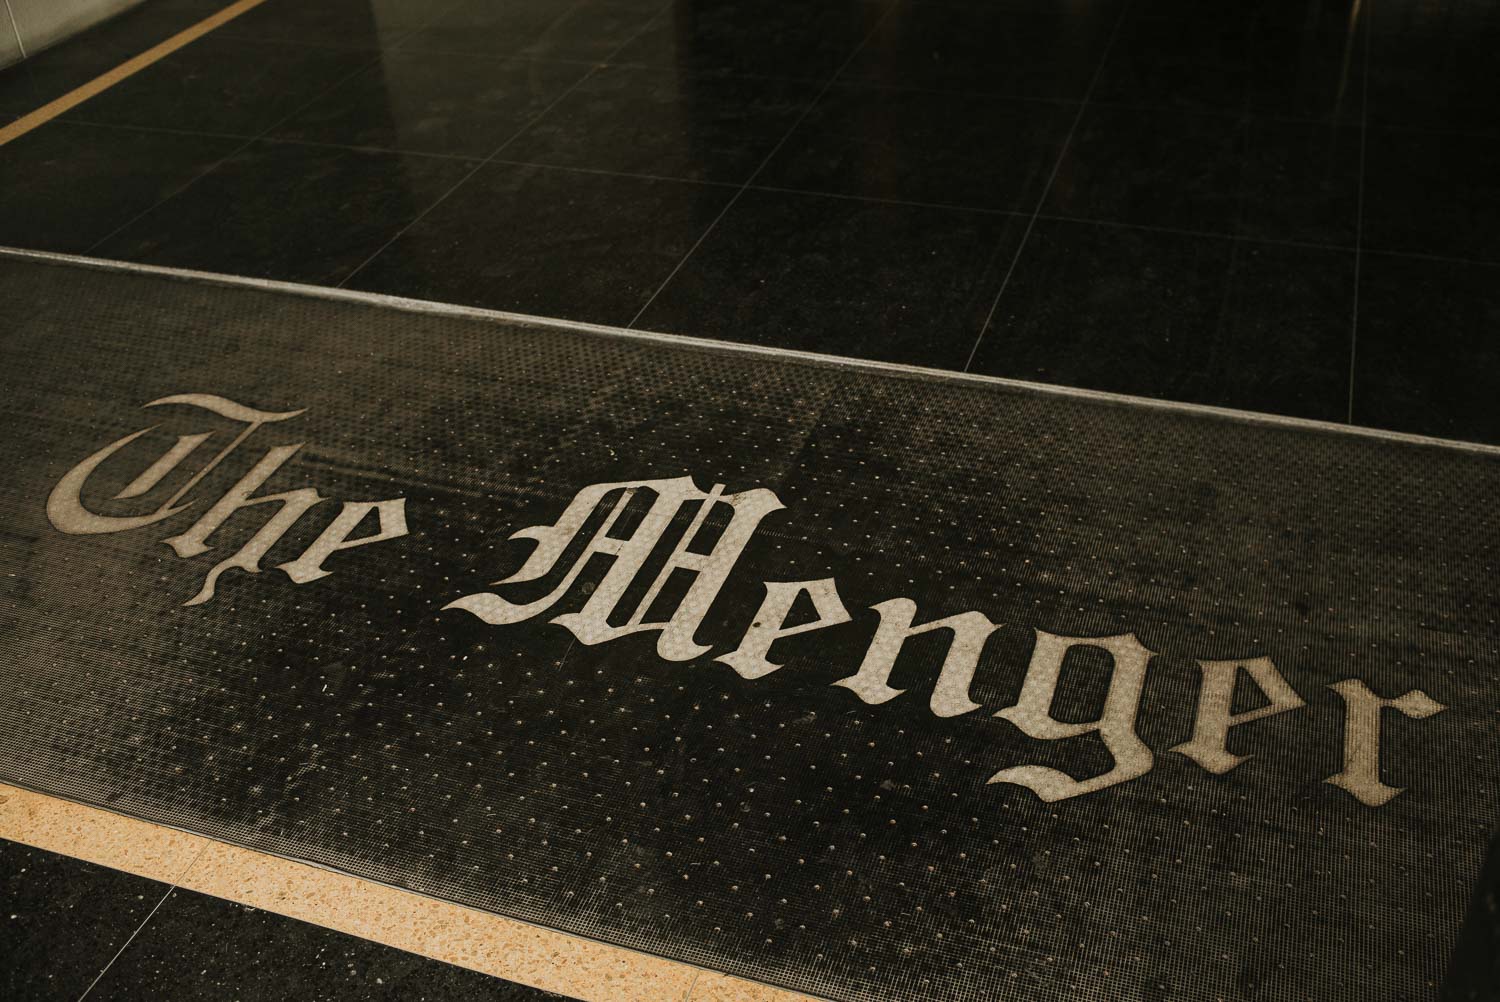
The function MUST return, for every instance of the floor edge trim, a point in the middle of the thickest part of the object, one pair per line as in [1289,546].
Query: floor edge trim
[406,920]
[435,308]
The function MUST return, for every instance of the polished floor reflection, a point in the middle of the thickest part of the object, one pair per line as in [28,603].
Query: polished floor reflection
[1280,205]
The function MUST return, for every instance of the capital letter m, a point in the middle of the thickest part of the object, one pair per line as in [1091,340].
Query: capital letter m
[591,623]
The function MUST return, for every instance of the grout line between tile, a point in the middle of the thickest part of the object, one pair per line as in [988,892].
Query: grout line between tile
[847,196]
[489,942]
[343,283]
[149,917]
[1183,232]
[364,67]
[226,158]
[641,175]
[807,110]
[1359,218]
[126,945]
[1047,189]
[1226,297]
[176,883]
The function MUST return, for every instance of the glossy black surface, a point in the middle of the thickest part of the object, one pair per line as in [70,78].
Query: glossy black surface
[1474,969]
[320,213]
[53,72]
[666,122]
[552,241]
[63,920]
[1264,178]
[430,102]
[68,186]
[1177,316]
[1243,120]
[1013,50]
[203,949]
[1434,193]
[807,39]
[852,277]
[72,927]
[223,84]
[586,30]
[963,150]
[1428,355]
[1300,60]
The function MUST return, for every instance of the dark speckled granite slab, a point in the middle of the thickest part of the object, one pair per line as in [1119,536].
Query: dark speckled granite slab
[651,751]
[73,928]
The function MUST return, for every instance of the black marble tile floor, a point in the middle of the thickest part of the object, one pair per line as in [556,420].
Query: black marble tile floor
[74,930]
[1265,205]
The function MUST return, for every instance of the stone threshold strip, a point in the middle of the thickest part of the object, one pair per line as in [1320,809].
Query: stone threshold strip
[591,624]
[455,934]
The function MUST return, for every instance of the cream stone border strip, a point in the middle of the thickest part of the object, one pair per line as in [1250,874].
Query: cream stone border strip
[480,941]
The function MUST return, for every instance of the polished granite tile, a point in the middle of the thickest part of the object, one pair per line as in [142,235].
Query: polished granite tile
[65,186]
[223,84]
[1271,179]
[1300,182]
[1474,966]
[1178,169]
[1037,53]
[1454,18]
[62,920]
[202,949]
[1081,10]
[586,30]
[1306,15]
[1283,334]
[1198,319]
[1194,63]
[664,122]
[807,39]
[1436,74]
[898,283]
[594,29]
[962,150]
[1313,68]
[338,23]
[290,212]
[27,85]
[482,27]
[1309,69]
[548,241]
[1433,193]
[427,102]
[1426,357]
[53,72]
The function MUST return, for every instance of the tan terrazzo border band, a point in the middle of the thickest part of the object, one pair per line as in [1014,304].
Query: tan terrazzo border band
[480,941]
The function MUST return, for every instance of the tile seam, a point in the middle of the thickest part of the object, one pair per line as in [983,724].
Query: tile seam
[1041,201]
